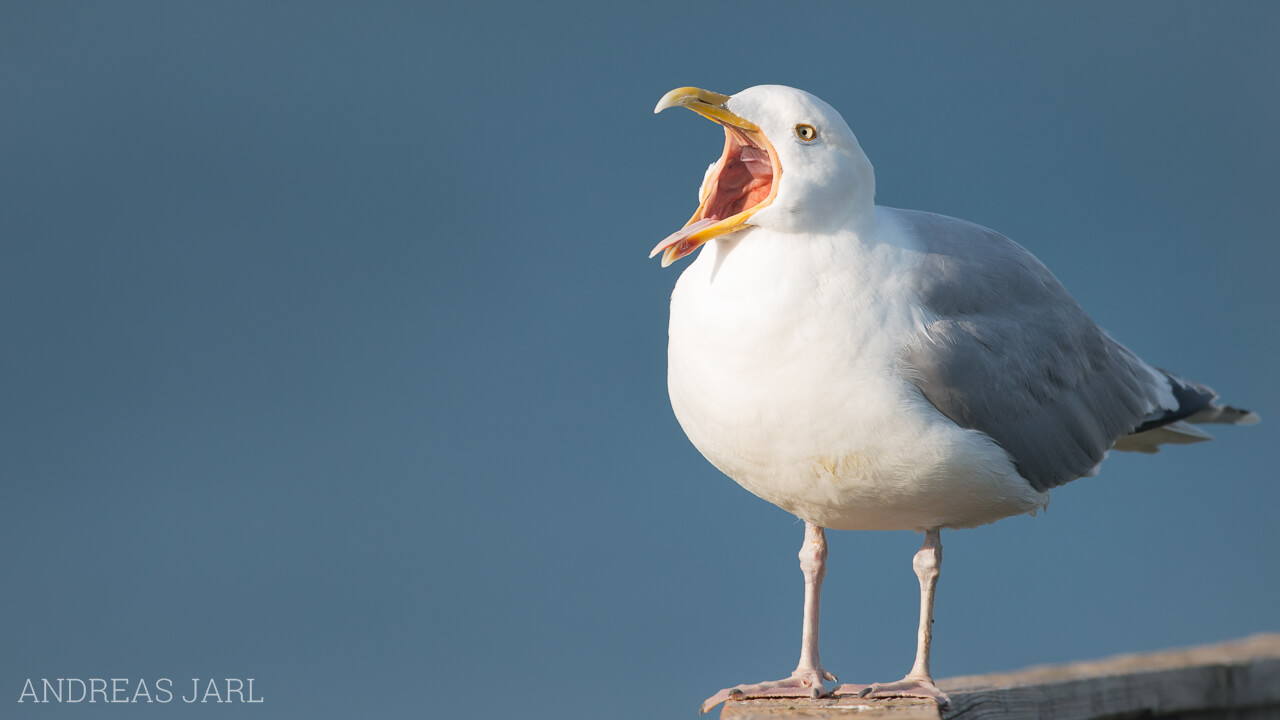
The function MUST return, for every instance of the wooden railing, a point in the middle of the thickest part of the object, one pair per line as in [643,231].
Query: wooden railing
[1238,680]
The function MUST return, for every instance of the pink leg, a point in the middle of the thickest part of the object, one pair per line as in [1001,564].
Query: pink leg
[918,682]
[807,679]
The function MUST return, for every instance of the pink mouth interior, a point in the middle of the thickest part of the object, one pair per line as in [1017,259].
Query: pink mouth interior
[742,180]
[745,178]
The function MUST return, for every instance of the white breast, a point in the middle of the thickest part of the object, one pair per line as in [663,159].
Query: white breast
[782,372]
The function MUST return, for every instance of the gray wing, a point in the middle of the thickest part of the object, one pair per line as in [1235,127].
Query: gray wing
[1006,350]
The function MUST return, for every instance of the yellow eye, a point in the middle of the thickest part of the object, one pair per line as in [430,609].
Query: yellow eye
[806,133]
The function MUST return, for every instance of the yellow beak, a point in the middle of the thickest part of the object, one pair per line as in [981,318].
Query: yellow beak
[706,103]
[739,133]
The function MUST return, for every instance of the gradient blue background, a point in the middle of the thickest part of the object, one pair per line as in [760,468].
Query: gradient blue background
[332,357]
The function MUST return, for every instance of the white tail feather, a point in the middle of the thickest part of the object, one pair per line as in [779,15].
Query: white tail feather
[1149,441]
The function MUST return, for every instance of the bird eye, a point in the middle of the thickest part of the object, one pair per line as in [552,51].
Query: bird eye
[806,133]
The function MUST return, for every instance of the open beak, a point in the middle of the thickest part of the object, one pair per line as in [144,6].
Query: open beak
[743,182]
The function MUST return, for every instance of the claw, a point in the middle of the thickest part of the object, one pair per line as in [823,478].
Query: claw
[906,687]
[807,684]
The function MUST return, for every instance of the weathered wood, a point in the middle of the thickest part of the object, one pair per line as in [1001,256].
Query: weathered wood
[1239,680]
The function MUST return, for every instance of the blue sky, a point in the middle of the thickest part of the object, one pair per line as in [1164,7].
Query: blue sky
[333,357]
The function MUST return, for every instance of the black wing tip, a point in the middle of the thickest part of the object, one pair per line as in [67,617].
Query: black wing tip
[1191,399]
[1230,415]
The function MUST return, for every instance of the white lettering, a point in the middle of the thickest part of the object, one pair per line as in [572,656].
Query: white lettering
[97,685]
[28,690]
[47,685]
[118,690]
[141,690]
[211,690]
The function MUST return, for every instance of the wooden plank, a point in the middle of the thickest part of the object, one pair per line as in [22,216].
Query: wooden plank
[828,708]
[1238,679]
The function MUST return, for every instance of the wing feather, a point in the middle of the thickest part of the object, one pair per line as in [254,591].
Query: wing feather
[1005,350]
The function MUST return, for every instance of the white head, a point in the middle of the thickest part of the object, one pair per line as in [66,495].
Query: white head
[790,164]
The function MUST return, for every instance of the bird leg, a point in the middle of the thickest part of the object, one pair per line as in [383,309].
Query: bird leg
[807,679]
[918,682]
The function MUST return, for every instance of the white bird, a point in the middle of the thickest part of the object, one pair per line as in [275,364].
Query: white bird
[868,368]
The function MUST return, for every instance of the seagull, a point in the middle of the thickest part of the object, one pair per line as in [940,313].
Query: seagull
[870,368]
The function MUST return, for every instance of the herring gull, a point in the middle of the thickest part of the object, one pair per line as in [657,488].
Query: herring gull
[869,368]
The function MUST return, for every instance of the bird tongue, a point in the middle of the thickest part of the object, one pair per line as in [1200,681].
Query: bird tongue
[757,162]
[675,239]
[743,179]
